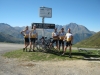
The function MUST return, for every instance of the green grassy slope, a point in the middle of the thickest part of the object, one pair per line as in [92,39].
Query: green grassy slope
[93,41]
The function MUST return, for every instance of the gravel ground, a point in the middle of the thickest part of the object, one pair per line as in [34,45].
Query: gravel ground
[12,66]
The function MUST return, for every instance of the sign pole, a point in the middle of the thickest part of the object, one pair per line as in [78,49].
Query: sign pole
[43,26]
[45,12]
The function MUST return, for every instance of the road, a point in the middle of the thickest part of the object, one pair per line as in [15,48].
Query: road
[5,47]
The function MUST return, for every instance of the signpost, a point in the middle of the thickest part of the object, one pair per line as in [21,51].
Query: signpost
[45,12]
[45,25]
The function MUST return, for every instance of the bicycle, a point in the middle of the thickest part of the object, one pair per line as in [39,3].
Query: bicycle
[44,44]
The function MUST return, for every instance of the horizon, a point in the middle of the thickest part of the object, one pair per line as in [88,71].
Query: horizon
[55,24]
[24,12]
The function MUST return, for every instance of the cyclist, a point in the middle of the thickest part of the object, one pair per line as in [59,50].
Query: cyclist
[25,33]
[69,39]
[61,38]
[55,36]
[33,37]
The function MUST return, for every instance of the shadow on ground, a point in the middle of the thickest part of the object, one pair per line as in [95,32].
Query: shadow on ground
[75,54]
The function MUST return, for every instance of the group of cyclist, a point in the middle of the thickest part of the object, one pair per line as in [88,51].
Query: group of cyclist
[58,37]
[30,37]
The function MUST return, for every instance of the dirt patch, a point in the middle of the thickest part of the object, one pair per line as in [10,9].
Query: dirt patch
[27,64]
[9,66]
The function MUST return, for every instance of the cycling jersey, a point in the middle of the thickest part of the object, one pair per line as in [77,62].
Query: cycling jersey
[55,34]
[69,36]
[62,35]
[26,33]
[33,34]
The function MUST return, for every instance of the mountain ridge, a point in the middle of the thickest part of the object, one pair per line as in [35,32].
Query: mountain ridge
[79,32]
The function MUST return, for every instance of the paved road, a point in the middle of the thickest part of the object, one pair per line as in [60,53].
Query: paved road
[5,47]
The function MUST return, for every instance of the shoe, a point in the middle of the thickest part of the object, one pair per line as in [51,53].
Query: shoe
[33,50]
[23,49]
[63,54]
[70,56]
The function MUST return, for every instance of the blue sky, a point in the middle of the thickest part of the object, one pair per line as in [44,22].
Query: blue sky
[24,12]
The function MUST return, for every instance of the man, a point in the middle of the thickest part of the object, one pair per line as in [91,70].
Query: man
[25,33]
[69,39]
[61,38]
[33,37]
[55,36]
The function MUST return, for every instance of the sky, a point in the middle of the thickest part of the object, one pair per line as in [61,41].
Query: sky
[25,12]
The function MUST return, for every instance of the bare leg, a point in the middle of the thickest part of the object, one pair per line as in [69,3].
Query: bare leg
[30,46]
[65,48]
[70,50]
[50,45]
[34,45]
[59,47]
[26,45]
[62,47]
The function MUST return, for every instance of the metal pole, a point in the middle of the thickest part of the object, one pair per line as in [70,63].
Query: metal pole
[43,26]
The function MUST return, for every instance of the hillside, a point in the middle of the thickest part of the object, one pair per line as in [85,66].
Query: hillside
[9,38]
[7,29]
[93,41]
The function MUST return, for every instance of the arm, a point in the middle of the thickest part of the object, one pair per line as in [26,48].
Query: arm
[53,35]
[65,38]
[22,32]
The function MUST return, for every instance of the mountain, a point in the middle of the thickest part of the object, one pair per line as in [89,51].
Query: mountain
[93,41]
[7,29]
[79,31]
[9,38]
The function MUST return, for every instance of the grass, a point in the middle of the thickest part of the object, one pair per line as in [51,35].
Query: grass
[49,56]
[91,42]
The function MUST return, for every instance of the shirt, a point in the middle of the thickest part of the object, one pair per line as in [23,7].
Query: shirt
[69,36]
[33,34]
[62,35]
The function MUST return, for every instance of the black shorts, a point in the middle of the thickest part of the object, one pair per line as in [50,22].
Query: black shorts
[55,41]
[61,42]
[26,40]
[33,40]
[68,43]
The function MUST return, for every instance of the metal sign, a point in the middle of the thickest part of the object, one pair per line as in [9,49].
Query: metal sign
[38,25]
[49,26]
[44,25]
[45,12]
